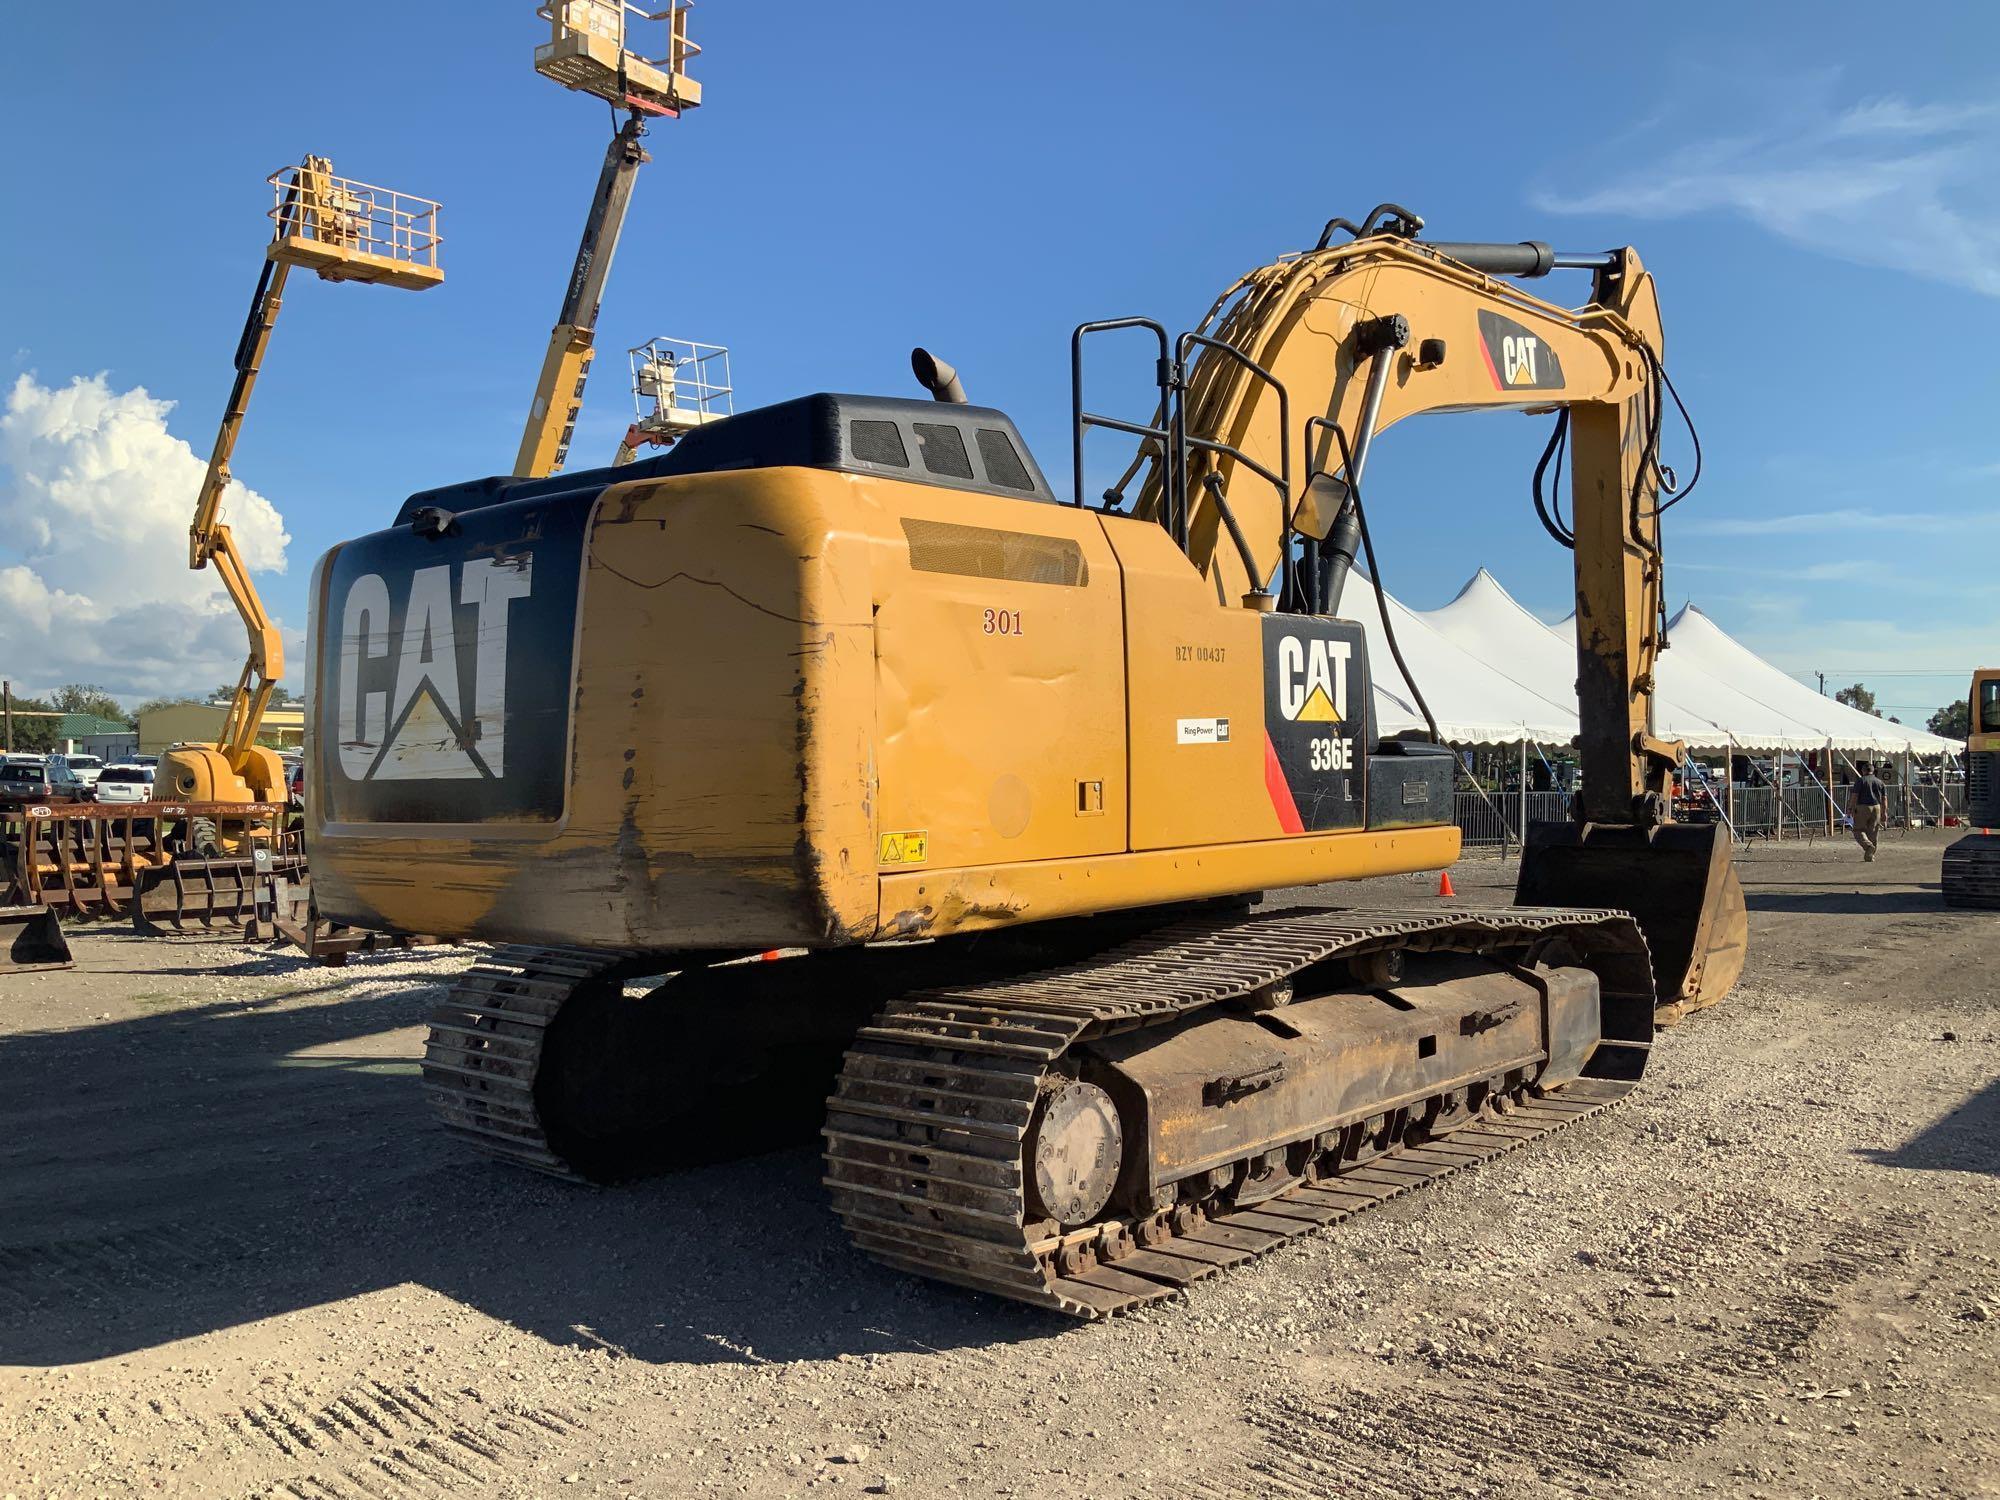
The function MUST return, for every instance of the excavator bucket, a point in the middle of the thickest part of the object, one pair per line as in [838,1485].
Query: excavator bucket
[1678,881]
[32,938]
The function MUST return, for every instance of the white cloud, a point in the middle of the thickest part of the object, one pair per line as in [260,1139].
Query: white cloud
[1880,181]
[1844,525]
[95,502]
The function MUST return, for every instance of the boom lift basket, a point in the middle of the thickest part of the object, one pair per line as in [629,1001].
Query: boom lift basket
[677,386]
[590,49]
[352,231]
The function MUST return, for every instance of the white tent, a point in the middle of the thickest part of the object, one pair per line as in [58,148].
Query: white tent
[1709,713]
[1699,644]
[1474,704]
[1495,674]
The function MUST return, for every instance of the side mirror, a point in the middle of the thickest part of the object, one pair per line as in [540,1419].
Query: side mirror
[1320,506]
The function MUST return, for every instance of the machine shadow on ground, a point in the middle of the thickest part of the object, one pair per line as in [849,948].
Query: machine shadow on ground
[178,1173]
[1966,1139]
[1845,900]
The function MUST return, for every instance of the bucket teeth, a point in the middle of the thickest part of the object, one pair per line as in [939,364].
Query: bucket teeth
[88,861]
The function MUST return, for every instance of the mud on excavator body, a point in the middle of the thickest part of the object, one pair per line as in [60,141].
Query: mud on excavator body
[787,686]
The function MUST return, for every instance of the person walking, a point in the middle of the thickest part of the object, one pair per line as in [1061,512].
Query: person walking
[1865,799]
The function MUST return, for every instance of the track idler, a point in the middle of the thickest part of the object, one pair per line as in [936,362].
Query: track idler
[1678,880]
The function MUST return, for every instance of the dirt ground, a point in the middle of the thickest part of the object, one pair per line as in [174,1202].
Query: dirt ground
[236,1258]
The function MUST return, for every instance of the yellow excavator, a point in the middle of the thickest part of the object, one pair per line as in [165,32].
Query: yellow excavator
[833,752]
[1972,864]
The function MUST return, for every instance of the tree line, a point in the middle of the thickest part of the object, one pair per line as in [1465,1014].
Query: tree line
[35,728]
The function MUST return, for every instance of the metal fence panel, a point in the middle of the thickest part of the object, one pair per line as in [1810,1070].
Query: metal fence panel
[1493,821]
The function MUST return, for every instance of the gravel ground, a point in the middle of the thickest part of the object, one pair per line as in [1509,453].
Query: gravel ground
[236,1259]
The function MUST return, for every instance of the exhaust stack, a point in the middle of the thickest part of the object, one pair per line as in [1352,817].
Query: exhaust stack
[937,377]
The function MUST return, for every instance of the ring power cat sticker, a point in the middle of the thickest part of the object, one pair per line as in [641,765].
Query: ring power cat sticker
[443,670]
[1201,731]
[1316,696]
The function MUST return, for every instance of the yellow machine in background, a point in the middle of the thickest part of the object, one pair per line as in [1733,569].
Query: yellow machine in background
[846,675]
[344,231]
[1972,864]
[591,50]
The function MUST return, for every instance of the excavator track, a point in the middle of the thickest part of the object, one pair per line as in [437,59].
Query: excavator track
[485,1048]
[1972,872]
[925,1132]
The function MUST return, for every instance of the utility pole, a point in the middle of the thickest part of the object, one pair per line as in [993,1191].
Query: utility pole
[7,714]
[1822,683]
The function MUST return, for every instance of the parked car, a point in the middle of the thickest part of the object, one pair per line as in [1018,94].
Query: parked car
[27,780]
[74,775]
[131,783]
[295,783]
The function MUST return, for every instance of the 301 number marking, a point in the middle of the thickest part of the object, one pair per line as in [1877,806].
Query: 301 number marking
[1001,622]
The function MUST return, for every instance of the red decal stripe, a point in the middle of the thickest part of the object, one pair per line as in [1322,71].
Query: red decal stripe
[1280,790]
[1487,355]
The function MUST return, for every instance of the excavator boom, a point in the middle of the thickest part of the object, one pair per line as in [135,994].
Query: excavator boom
[1333,347]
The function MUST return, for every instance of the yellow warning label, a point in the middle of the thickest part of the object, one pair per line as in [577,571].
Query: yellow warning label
[910,848]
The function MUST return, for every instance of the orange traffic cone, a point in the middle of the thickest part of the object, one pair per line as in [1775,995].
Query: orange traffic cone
[1444,884]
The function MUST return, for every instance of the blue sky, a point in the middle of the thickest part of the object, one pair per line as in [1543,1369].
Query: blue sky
[1816,198]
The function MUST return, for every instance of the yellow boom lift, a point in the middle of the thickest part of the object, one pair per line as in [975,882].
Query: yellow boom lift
[201,851]
[590,49]
[345,233]
[1006,771]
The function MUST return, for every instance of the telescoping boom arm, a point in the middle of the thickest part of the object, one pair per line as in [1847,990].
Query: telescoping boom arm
[572,344]
[209,538]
